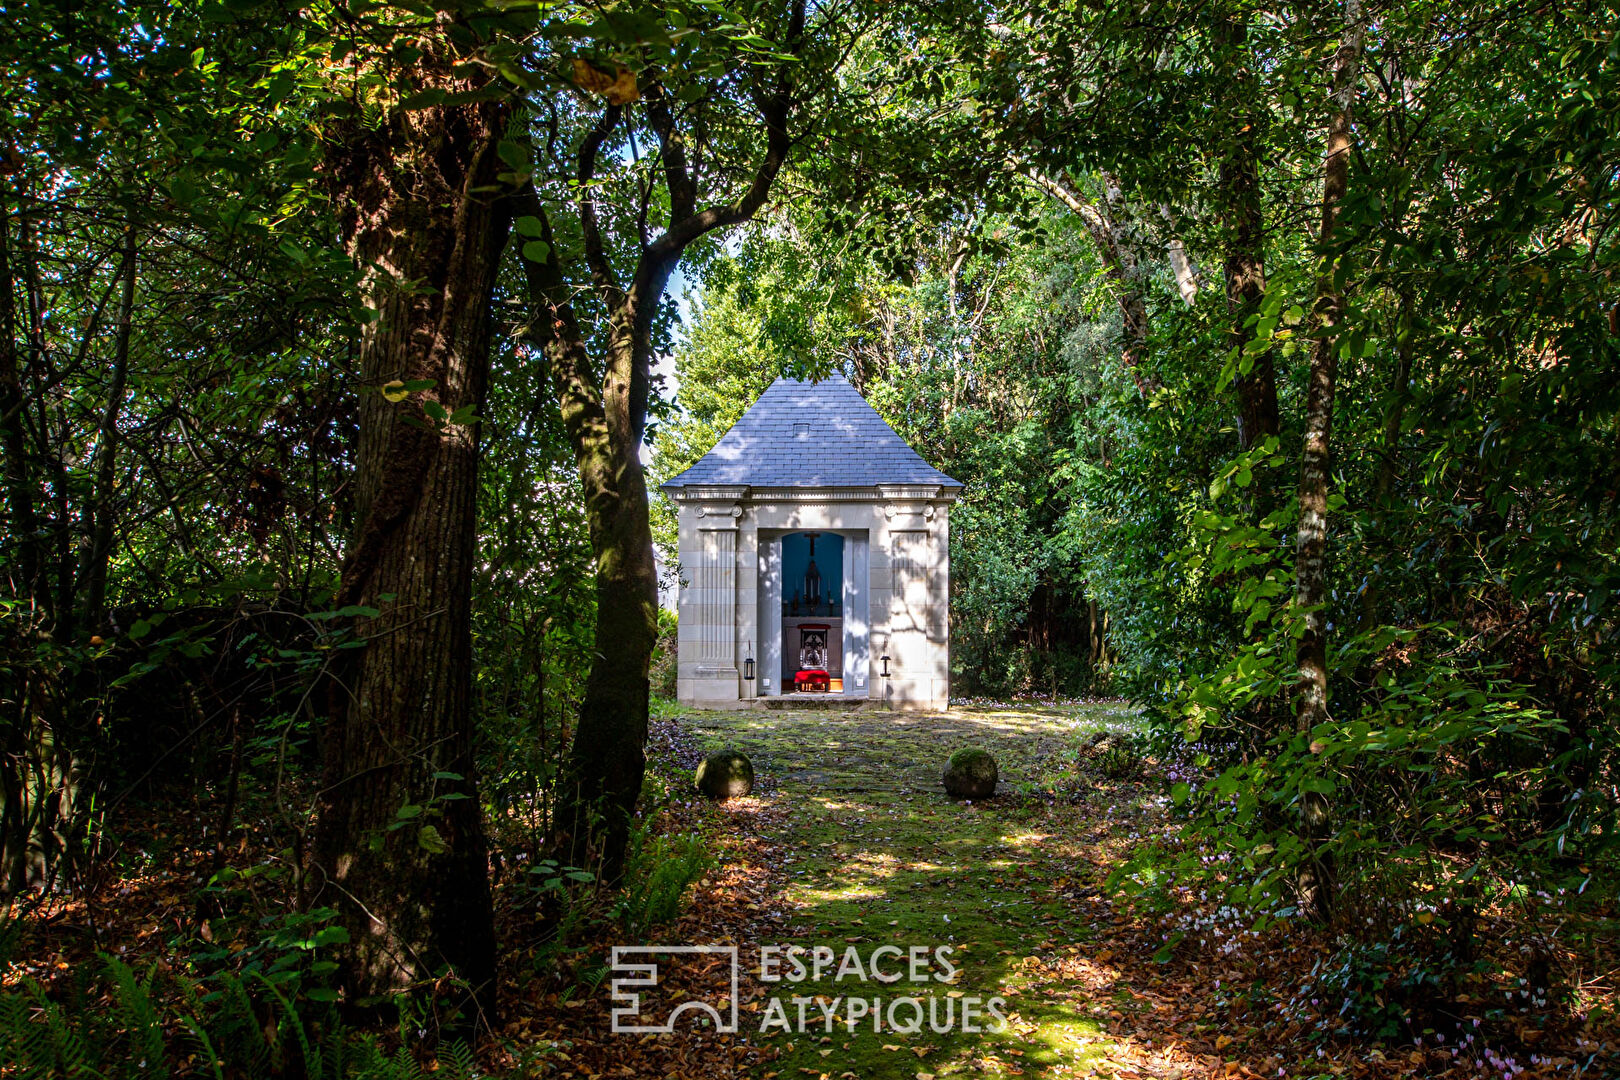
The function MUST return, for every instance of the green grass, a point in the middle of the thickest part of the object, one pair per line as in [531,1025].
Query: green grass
[876,854]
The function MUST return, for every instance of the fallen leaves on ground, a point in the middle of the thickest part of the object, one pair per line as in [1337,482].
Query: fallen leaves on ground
[899,853]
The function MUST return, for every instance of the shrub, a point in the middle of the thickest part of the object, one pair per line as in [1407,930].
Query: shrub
[1380,989]
[665,657]
[1123,759]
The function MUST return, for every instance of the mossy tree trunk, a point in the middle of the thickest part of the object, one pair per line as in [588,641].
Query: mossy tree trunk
[1243,216]
[604,399]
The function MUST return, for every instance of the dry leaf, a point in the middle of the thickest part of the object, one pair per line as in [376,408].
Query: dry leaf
[618,85]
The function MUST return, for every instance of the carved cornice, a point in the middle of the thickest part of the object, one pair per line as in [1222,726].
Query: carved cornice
[910,491]
[698,493]
[798,495]
[716,501]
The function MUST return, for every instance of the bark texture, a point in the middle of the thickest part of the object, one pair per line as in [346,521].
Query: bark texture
[1186,273]
[1244,267]
[399,846]
[1310,566]
[604,409]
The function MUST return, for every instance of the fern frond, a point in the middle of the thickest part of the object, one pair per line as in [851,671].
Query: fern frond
[205,1047]
[61,1050]
[132,1004]
[461,1064]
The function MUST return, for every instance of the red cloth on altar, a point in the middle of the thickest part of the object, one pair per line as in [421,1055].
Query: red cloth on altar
[814,680]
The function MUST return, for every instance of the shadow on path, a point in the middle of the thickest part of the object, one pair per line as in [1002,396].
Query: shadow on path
[871,852]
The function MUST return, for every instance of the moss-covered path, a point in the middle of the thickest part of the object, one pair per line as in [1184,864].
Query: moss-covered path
[866,850]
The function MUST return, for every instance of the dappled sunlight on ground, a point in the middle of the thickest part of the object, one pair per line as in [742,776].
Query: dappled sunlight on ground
[850,843]
[873,853]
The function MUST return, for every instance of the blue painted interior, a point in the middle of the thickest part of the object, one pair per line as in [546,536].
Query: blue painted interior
[829,564]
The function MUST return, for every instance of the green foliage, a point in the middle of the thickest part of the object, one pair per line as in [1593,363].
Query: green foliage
[658,872]
[288,950]
[946,358]
[180,486]
[533,609]
[666,658]
[1381,989]
[163,1025]
[1473,563]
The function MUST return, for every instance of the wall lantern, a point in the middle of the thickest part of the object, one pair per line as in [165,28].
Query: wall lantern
[885,660]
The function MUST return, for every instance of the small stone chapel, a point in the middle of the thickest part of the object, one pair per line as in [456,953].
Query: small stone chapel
[814,558]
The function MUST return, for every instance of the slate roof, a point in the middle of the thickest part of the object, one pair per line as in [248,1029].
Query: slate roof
[803,434]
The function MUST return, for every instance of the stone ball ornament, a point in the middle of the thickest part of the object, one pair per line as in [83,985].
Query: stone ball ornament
[725,774]
[970,774]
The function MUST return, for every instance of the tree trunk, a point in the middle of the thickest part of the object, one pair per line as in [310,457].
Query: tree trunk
[607,759]
[605,415]
[1119,263]
[1180,265]
[20,492]
[100,508]
[1311,696]
[399,846]
[1245,264]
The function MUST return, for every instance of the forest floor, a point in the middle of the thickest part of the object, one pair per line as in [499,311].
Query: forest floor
[849,842]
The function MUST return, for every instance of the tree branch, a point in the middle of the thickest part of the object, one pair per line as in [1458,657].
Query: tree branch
[555,331]
[774,112]
[677,174]
[595,254]
[1119,262]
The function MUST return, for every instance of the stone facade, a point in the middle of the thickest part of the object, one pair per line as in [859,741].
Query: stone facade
[807,458]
